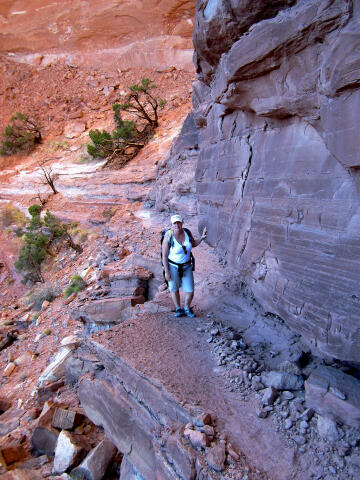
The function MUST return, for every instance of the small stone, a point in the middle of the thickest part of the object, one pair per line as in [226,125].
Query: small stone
[209,340]
[299,439]
[286,395]
[24,359]
[269,396]
[8,370]
[214,331]
[284,413]
[45,305]
[262,412]
[288,424]
[307,414]
[70,298]
[197,439]
[70,340]
[304,425]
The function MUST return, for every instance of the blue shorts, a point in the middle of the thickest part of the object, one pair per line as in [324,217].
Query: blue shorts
[187,281]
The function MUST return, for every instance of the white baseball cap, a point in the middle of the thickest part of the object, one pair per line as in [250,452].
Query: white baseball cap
[176,218]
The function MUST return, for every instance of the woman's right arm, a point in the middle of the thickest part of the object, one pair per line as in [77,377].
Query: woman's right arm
[165,254]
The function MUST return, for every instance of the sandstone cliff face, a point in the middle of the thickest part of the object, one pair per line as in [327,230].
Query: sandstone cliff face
[277,176]
[128,33]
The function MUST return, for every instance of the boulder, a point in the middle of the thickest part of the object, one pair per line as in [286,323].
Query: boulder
[197,438]
[334,394]
[327,429]
[66,419]
[74,129]
[56,369]
[10,420]
[69,451]
[269,396]
[12,450]
[44,440]
[44,393]
[282,380]
[95,464]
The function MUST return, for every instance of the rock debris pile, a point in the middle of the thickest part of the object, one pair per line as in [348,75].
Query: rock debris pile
[296,408]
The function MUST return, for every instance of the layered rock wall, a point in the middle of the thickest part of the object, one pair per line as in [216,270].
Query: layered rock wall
[124,34]
[275,104]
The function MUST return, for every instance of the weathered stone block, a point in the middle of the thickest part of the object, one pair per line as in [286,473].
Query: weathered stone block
[334,394]
[69,451]
[95,464]
[44,440]
[282,380]
[66,419]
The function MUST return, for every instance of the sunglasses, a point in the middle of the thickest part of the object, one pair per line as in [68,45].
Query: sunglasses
[184,248]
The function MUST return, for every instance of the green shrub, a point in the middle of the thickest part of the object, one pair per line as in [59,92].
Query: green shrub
[48,292]
[10,215]
[33,252]
[140,103]
[77,284]
[109,212]
[20,135]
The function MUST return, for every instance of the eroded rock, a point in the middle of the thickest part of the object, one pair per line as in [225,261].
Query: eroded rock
[334,394]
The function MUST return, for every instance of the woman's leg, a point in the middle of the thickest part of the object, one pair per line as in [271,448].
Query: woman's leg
[187,286]
[188,299]
[176,298]
[174,284]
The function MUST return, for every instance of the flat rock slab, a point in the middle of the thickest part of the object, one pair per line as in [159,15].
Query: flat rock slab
[159,370]
[107,310]
[332,393]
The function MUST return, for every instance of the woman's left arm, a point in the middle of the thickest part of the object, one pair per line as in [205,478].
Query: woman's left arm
[197,242]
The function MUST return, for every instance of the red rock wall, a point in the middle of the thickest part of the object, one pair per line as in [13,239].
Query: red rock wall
[133,33]
[276,105]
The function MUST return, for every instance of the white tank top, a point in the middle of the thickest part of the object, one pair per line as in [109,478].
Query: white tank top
[176,252]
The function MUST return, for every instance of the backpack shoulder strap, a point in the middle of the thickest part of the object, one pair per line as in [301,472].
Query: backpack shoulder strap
[169,237]
[190,235]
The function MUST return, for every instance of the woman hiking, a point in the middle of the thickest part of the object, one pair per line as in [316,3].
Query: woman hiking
[176,255]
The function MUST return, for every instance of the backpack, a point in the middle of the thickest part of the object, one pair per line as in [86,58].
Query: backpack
[171,243]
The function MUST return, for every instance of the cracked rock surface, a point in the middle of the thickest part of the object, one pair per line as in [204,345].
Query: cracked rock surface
[277,177]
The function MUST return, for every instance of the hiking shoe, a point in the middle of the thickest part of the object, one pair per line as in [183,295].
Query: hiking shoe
[189,313]
[179,312]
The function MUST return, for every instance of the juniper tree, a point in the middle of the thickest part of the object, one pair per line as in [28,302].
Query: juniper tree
[60,230]
[33,252]
[21,135]
[142,104]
